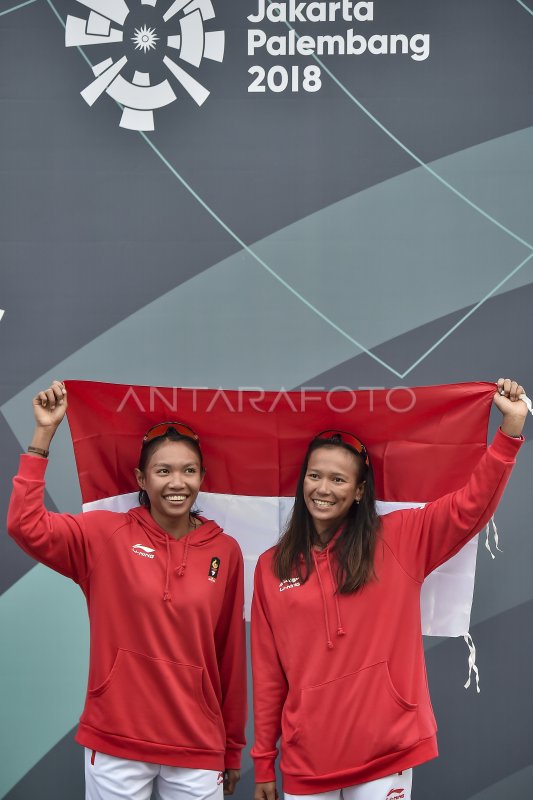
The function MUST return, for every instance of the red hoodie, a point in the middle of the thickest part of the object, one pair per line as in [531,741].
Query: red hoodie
[342,676]
[167,673]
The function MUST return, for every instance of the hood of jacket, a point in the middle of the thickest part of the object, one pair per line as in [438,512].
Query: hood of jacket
[204,534]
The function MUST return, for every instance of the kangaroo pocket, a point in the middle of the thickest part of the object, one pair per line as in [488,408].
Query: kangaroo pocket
[349,722]
[154,700]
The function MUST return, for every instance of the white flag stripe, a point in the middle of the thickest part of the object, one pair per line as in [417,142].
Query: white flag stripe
[446,599]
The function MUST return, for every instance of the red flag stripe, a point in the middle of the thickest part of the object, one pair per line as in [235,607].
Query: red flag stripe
[423,442]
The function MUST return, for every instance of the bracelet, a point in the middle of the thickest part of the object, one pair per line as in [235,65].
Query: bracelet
[511,435]
[39,451]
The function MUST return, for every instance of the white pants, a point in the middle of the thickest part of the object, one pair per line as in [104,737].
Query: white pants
[393,787]
[110,778]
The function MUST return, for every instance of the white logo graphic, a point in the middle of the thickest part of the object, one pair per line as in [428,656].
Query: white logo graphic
[145,38]
[139,98]
[289,583]
[141,550]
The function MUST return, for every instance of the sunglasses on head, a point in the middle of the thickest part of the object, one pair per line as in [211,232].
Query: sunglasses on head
[345,438]
[162,428]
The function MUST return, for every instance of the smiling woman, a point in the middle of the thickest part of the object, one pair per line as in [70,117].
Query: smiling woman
[338,661]
[334,497]
[166,702]
[169,475]
[331,487]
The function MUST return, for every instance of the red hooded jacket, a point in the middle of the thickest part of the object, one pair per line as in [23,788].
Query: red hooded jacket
[167,673]
[341,677]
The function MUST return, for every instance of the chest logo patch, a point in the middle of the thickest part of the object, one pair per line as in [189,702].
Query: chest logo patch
[141,550]
[214,567]
[290,583]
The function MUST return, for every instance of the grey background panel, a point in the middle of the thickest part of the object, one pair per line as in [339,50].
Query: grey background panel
[272,240]
[487,743]
[62,766]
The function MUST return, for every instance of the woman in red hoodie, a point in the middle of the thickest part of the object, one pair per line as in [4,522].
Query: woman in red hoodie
[337,651]
[166,699]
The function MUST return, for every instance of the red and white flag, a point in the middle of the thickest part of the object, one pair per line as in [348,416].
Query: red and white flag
[423,443]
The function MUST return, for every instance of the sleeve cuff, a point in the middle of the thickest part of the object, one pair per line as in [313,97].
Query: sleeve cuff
[265,770]
[32,467]
[505,446]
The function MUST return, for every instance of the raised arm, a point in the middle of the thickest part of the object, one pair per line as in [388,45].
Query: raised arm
[57,540]
[429,536]
[49,409]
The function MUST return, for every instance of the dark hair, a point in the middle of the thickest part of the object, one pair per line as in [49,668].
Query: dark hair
[148,448]
[355,546]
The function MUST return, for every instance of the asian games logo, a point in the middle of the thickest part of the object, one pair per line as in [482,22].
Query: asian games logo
[153,41]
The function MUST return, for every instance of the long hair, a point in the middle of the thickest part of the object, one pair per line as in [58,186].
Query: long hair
[148,448]
[354,547]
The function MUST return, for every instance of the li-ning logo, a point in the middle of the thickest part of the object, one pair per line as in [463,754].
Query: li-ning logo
[180,30]
[141,550]
[396,794]
[290,583]
[220,778]
[214,567]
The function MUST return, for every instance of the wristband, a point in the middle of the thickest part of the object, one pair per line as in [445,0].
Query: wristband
[39,451]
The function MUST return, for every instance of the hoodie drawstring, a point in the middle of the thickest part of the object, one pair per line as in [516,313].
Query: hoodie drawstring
[328,634]
[340,629]
[166,593]
[179,570]
[182,567]
[166,549]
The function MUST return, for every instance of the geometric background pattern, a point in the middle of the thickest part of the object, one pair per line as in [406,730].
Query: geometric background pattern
[376,233]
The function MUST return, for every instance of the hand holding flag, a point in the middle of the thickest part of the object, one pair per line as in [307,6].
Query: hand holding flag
[508,399]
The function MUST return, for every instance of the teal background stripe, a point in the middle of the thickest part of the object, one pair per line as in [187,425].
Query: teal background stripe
[16,8]
[43,664]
